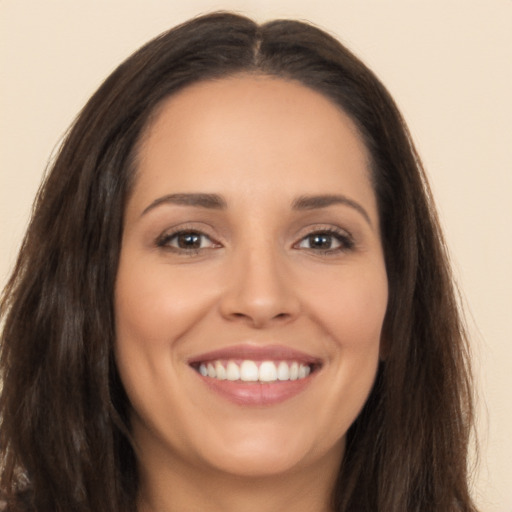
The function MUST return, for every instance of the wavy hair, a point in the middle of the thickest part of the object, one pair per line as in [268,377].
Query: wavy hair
[64,433]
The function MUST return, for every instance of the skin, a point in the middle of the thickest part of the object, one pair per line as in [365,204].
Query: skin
[257,278]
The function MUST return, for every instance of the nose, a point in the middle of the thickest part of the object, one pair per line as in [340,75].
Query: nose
[260,290]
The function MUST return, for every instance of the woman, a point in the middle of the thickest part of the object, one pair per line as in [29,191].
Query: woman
[234,294]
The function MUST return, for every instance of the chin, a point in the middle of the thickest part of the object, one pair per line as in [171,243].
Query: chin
[269,452]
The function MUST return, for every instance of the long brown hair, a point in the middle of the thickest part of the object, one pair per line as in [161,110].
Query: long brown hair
[64,434]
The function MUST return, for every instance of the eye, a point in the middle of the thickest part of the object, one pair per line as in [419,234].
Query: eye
[186,241]
[326,241]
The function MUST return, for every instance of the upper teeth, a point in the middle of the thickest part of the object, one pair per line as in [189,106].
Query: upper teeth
[252,371]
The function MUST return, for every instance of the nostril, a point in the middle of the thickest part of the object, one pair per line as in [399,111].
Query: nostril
[258,319]
[258,302]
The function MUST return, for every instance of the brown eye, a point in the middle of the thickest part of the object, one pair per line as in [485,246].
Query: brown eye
[186,241]
[326,241]
[320,241]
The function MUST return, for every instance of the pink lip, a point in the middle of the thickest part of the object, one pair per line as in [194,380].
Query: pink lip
[256,393]
[256,353]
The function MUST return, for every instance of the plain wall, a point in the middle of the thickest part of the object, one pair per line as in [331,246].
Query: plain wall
[446,62]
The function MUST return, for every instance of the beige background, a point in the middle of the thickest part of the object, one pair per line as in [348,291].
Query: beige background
[448,65]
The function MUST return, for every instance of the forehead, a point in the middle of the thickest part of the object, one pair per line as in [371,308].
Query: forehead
[263,103]
[249,133]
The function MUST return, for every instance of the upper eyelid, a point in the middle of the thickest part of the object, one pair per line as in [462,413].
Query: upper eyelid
[184,227]
[324,228]
[328,232]
[170,234]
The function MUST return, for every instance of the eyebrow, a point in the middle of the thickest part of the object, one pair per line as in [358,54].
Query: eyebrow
[217,202]
[210,201]
[326,200]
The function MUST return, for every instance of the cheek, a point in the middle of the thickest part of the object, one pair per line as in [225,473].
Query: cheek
[154,311]
[352,315]
[352,307]
[157,307]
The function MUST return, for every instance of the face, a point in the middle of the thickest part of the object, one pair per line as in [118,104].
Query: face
[251,289]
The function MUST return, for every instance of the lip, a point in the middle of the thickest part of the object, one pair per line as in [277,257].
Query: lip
[256,353]
[256,393]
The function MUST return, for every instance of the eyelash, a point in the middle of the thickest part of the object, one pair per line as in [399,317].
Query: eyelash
[164,241]
[344,239]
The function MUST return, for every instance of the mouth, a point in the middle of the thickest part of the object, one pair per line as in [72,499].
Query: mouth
[254,371]
[253,375]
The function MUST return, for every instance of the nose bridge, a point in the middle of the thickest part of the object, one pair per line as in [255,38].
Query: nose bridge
[259,287]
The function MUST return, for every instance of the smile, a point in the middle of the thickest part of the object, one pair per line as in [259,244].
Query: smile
[252,375]
[255,371]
